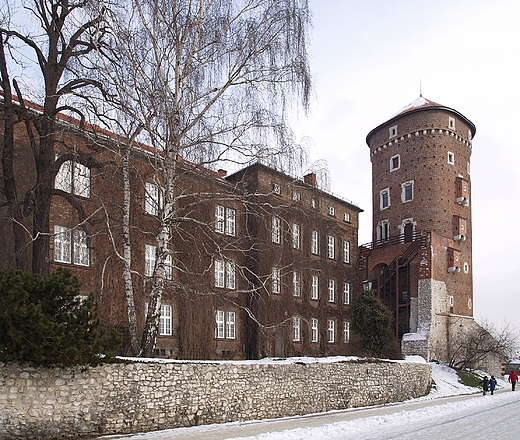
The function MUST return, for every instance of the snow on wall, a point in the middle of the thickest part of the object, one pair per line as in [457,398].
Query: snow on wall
[135,397]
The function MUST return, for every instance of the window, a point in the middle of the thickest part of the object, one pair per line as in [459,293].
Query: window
[165,321]
[315,287]
[73,178]
[346,251]
[332,211]
[346,293]
[346,332]
[314,330]
[314,204]
[332,290]
[407,191]
[150,257]
[296,196]
[450,301]
[392,132]
[330,246]
[225,274]
[451,158]
[395,162]
[451,123]
[277,189]
[276,230]
[468,168]
[296,236]
[331,330]
[314,243]
[384,198]
[346,217]
[225,327]
[296,284]
[383,231]
[71,246]
[225,220]
[276,280]
[466,267]
[296,325]
[152,198]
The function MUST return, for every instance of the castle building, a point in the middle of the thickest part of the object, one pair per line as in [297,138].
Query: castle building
[419,261]
[260,263]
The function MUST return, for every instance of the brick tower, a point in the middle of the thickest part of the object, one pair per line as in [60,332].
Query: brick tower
[420,259]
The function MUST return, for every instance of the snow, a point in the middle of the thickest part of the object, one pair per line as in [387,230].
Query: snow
[419,102]
[467,415]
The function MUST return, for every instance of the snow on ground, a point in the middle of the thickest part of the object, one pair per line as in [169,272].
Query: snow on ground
[409,419]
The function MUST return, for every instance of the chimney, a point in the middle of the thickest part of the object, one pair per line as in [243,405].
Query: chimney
[310,179]
[221,173]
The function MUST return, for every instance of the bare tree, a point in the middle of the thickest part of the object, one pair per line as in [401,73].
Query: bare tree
[475,346]
[209,81]
[66,32]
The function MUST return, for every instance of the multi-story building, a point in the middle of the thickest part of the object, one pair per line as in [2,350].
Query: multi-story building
[420,258]
[261,264]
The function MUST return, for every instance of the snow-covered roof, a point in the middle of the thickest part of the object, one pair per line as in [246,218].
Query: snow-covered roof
[420,102]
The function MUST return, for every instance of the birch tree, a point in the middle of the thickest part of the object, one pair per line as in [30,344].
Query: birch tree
[209,81]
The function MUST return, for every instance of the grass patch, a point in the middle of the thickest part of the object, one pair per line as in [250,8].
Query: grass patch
[469,378]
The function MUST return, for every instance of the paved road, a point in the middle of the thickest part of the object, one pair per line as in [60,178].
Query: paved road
[484,425]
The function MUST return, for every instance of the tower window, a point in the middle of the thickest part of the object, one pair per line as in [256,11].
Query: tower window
[392,132]
[384,198]
[407,191]
[395,162]
[451,123]
[383,231]
[451,158]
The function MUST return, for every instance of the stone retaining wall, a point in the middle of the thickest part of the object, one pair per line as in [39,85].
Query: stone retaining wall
[137,397]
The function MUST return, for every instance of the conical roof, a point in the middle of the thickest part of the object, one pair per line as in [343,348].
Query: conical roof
[421,103]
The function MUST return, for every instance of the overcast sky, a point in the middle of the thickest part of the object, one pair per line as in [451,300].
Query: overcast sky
[368,59]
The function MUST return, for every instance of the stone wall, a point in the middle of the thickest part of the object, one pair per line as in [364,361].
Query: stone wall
[136,397]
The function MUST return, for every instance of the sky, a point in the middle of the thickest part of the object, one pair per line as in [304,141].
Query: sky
[479,417]
[371,58]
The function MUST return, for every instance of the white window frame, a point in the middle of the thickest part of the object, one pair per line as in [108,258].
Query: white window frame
[346,217]
[346,293]
[392,159]
[392,132]
[331,331]
[346,251]
[62,244]
[382,194]
[315,287]
[220,324]
[314,330]
[150,258]
[296,322]
[277,189]
[152,198]
[346,332]
[225,274]
[276,280]
[331,247]
[451,122]
[276,230]
[231,326]
[404,186]
[332,211]
[296,196]
[81,253]
[220,219]
[296,236]
[315,243]
[297,289]
[331,289]
[451,158]
[166,320]
[383,231]
[225,324]
[73,178]
[231,222]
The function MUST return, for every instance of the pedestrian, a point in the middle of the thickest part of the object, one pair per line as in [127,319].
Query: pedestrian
[513,378]
[492,384]
[485,384]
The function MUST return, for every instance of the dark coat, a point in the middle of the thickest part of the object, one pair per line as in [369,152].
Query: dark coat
[492,384]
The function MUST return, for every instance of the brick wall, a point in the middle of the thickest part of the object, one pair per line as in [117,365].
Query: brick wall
[137,397]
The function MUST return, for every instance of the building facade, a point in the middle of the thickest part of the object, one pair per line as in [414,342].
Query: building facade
[259,263]
[420,258]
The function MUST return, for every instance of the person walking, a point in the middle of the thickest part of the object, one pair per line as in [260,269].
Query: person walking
[513,378]
[485,384]
[492,384]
